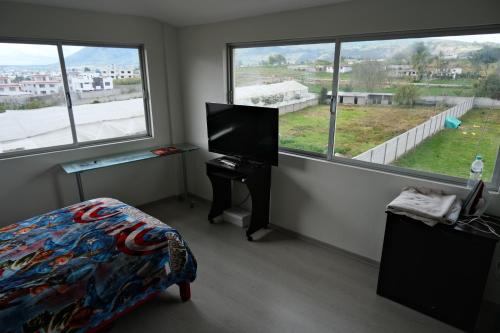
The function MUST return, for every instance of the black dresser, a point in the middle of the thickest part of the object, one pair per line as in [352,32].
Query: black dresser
[440,271]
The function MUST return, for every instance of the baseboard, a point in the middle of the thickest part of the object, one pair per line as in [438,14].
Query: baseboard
[288,232]
[327,246]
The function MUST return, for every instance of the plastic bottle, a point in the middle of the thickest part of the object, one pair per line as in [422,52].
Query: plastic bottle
[476,171]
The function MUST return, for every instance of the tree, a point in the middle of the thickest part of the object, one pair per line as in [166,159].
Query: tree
[420,59]
[400,58]
[441,64]
[485,57]
[276,60]
[407,94]
[323,96]
[322,62]
[369,75]
[488,87]
[86,69]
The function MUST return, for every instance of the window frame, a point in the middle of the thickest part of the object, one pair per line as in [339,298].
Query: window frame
[494,185]
[59,43]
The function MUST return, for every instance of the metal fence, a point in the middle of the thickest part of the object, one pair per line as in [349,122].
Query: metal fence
[394,148]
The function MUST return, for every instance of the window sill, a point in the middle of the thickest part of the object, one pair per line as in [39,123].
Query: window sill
[421,175]
[73,147]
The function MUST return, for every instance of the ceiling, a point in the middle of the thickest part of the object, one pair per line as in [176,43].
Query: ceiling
[186,12]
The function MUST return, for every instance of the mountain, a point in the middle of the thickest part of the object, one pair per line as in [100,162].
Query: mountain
[382,49]
[95,56]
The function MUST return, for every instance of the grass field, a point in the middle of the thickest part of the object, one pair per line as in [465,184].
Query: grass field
[358,128]
[451,151]
[245,76]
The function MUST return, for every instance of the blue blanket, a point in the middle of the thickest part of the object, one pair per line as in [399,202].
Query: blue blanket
[78,267]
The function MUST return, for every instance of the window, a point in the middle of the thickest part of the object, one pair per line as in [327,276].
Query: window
[295,79]
[415,104]
[76,110]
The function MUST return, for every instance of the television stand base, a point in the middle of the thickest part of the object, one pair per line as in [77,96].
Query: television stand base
[257,179]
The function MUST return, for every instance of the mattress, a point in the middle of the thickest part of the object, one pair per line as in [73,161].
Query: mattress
[76,268]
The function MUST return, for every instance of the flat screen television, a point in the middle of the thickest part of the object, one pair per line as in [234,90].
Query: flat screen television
[247,132]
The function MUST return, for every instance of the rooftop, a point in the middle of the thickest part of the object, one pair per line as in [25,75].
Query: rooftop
[268,89]
[31,129]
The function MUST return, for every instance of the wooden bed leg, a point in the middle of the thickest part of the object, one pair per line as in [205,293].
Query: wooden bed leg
[185,291]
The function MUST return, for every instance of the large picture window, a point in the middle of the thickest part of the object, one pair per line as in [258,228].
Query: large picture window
[412,104]
[66,95]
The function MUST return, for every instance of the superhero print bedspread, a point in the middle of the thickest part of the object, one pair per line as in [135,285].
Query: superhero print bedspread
[73,269]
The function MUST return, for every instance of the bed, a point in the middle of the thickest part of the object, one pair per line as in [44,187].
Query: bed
[78,268]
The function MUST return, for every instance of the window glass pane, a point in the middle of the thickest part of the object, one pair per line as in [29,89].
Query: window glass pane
[106,91]
[33,112]
[295,79]
[409,103]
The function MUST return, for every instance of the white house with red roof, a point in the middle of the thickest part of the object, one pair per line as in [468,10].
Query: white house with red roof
[9,88]
[42,84]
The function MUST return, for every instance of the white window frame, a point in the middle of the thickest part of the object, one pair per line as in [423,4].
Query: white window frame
[494,185]
[76,144]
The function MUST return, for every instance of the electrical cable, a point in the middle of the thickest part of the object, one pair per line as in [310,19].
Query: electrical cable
[480,221]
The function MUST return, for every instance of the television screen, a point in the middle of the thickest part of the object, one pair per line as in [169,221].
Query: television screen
[247,132]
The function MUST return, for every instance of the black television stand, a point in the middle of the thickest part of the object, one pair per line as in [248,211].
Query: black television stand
[257,178]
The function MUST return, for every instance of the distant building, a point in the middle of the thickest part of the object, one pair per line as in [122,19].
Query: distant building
[320,68]
[450,56]
[81,82]
[7,88]
[342,69]
[117,72]
[345,69]
[401,71]
[448,72]
[42,84]
[360,98]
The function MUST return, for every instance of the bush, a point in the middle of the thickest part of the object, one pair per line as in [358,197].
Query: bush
[273,99]
[127,81]
[323,96]
[488,87]
[407,94]
[255,100]
[347,88]
[36,104]
[31,104]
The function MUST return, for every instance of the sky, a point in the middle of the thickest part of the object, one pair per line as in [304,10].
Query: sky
[494,38]
[32,54]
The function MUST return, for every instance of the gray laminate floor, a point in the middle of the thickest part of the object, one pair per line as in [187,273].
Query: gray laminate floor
[275,284]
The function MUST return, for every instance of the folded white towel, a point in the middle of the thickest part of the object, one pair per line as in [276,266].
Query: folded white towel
[427,205]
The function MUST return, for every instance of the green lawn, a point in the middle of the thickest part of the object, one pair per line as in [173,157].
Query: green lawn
[451,151]
[358,128]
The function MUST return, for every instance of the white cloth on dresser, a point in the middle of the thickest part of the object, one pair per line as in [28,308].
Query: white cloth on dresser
[426,205]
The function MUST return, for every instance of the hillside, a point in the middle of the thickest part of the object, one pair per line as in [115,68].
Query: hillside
[297,54]
[94,56]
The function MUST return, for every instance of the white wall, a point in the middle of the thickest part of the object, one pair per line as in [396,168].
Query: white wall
[35,184]
[333,203]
